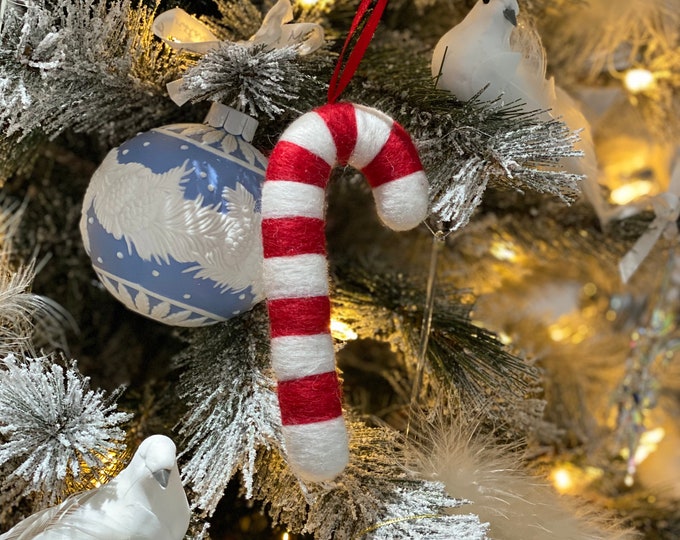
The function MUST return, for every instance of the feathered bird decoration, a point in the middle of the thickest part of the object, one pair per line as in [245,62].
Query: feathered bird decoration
[483,50]
[146,501]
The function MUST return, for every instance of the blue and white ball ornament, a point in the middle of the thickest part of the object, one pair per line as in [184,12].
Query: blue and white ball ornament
[171,220]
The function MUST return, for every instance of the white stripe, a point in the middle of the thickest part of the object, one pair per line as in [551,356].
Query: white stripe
[403,203]
[295,276]
[290,199]
[317,451]
[311,132]
[294,357]
[373,130]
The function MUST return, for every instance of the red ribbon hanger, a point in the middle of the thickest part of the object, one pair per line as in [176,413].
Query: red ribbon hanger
[367,18]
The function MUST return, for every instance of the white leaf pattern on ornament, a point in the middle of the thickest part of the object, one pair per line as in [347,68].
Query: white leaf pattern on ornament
[160,311]
[235,245]
[212,137]
[150,212]
[193,130]
[178,317]
[125,296]
[247,151]
[142,303]
[229,144]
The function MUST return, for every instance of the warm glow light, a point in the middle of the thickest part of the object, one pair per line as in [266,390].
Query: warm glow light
[649,442]
[503,251]
[342,331]
[285,536]
[631,191]
[638,80]
[562,480]
[308,3]
[558,333]
[504,338]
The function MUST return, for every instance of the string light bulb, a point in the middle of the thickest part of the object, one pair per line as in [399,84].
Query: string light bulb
[630,192]
[639,80]
[562,480]
[342,331]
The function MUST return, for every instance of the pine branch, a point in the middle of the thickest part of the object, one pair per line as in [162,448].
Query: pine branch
[52,426]
[257,79]
[231,402]
[24,316]
[376,497]
[82,65]
[470,360]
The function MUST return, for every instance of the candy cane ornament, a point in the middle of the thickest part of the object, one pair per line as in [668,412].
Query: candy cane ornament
[295,271]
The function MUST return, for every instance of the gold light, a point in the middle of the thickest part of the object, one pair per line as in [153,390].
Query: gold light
[562,479]
[558,333]
[639,80]
[285,536]
[503,251]
[342,331]
[630,192]
[649,442]
[570,478]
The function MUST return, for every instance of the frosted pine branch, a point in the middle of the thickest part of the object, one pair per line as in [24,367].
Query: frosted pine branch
[255,79]
[521,153]
[232,405]
[376,497]
[51,425]
[22,312]
[78,64]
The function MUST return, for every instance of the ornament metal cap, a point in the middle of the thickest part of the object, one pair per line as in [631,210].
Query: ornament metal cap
[232,121]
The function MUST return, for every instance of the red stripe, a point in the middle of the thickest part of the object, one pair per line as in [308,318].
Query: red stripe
[288,161]
[341,120]
[284,237]
[397,158]
[315,398]
[307,316]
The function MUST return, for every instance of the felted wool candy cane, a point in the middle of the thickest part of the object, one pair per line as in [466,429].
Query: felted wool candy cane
[295,270]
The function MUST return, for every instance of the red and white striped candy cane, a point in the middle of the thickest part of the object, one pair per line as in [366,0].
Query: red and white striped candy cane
[296,270]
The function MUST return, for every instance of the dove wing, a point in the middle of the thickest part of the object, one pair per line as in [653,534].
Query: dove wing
[51,523]
[506,74]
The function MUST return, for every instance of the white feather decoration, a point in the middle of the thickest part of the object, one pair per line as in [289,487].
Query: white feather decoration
[517,505]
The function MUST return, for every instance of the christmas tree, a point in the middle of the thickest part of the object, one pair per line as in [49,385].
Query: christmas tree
[507,364]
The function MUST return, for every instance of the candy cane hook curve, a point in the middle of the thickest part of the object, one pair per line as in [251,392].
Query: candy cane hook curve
[296,269]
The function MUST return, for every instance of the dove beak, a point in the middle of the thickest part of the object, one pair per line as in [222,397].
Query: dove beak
[162,476]
[510,15]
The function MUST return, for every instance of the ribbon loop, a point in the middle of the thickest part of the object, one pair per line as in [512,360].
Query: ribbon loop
[184,32]
[367,17]
[276,33]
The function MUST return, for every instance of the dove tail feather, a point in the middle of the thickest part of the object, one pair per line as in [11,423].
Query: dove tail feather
[55,519]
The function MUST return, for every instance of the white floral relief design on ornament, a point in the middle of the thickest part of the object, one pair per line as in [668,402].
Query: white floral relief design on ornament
[149,212]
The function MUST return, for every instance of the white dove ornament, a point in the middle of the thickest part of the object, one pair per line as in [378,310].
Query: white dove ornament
[146,501]
[477,52]
[482,50]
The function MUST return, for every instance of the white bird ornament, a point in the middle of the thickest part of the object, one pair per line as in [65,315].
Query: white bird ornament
[146,501]
[481,50]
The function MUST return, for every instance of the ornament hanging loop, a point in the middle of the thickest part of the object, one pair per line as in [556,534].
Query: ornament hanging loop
[365,23]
